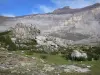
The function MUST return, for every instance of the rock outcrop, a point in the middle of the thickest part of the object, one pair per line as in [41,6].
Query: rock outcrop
[22,31]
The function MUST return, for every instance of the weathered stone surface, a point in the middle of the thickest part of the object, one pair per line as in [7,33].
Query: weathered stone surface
[78,54]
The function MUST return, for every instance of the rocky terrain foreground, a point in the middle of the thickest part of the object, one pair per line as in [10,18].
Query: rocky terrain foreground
[12,63]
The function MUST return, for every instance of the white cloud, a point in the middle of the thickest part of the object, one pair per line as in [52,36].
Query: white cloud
[42,9]
[34,12]
[45,9]
[8,15]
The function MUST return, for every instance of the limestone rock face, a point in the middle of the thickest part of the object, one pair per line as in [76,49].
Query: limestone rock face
[79,27]
[24,36]
[22,31]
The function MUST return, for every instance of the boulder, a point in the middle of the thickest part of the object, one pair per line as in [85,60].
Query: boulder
[78,54]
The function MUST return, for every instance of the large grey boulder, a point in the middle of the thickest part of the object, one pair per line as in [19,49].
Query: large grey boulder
[78,54]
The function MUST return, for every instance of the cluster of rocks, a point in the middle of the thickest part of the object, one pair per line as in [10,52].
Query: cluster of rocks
[42,40]
[65,68]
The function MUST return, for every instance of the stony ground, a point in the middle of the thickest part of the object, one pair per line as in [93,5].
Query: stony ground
[17,64]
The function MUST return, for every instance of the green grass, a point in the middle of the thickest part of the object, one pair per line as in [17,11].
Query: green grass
[56,59]
[95,68]
[59,60]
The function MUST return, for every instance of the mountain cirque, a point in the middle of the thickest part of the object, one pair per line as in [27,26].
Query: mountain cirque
[63,26]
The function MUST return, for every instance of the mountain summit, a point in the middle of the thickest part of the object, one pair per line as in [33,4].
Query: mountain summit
[68,10]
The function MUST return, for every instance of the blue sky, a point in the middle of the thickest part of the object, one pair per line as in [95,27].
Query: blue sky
[25,7]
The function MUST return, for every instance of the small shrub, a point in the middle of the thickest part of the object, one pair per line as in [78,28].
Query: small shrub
[43,56]
[29,52]
[67,56]
[93,56]
[96,57]
[89,58]
[54,52]
[80,59]
[8,42]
